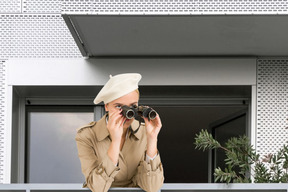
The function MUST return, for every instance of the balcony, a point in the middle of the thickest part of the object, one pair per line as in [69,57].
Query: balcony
[203,187]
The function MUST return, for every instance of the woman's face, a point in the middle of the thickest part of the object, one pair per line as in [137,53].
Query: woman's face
[131,99]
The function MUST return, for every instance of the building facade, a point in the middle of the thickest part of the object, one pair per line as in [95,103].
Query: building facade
[38,50]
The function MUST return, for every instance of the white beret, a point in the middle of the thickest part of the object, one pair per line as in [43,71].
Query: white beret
[118,86]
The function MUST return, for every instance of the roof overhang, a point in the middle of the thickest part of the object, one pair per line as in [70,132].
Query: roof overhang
[179,35]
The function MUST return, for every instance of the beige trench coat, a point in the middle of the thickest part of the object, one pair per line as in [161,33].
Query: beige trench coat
[100,173]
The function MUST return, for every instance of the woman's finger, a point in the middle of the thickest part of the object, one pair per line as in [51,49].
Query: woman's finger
[115,116]
[158,121]
[120,120]
[123,121]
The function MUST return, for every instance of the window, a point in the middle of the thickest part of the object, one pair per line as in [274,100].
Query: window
[51,147]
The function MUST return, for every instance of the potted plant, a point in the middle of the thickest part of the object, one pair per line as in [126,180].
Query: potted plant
[243,164]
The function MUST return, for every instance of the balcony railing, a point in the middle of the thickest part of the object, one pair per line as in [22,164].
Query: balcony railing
[203,187]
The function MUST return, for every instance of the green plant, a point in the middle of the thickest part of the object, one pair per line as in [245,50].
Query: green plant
[243,164]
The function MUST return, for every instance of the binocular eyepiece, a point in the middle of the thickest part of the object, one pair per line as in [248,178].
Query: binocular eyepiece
[128,112]
[142,111]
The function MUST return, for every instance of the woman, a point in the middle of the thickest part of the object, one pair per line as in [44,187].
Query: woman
[120,152]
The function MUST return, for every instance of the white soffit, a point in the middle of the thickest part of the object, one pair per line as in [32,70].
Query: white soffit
[181,35]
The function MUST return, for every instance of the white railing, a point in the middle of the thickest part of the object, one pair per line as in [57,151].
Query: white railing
[271,187]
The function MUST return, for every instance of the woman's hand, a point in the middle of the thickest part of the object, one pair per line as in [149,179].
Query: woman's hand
[115,128]
[153,128]
[115,125]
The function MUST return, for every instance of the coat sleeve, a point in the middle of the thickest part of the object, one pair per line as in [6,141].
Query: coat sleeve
[150,175]
[99,174]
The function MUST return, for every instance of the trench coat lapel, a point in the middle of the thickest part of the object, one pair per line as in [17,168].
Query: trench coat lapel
[101,129]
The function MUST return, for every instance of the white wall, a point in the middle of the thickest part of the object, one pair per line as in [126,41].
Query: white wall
[170,71]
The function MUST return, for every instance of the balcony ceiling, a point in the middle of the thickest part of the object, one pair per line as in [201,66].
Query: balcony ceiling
[176,35]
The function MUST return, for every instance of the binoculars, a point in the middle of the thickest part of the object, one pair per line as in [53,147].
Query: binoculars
[140,111]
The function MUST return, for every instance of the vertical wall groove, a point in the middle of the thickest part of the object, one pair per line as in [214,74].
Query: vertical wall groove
[2,117]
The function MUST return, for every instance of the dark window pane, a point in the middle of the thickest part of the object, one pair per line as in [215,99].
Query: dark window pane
[181,162]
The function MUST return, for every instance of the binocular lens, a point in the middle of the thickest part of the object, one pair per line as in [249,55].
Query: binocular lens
[147,112]
[128,112]
[152,114]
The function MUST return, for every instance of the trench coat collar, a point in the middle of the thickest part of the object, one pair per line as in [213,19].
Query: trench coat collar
[102,131]
[134,126]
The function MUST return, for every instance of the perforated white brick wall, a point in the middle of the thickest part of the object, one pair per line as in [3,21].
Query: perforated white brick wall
[39,36]
[2,116]
[176,6]
[272,105]
[10,6]
[42,6]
